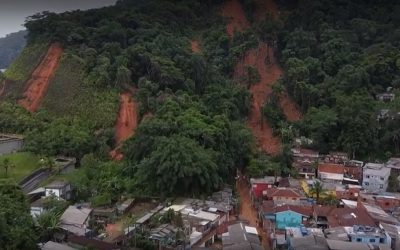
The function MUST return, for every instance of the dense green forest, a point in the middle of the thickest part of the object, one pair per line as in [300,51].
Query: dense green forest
[338,56]
[10,47]
[194,136]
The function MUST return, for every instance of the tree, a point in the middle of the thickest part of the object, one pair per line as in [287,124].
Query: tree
[17,229]
[7,165]
[317,189]
[393,185]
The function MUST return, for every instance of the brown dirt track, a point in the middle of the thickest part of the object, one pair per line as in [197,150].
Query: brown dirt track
[126,123]
[38,83]
[232,9]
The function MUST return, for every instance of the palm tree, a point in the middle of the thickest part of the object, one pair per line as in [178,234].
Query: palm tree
[7,164]
[317,189]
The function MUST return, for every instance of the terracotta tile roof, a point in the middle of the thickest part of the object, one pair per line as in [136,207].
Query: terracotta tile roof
[331,168]
[281,192]
[304,210]
[345,216]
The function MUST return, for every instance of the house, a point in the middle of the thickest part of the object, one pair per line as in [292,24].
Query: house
[331,172]
[348,192]
[336,157]
[387,201]
[259,185]
[37,207]
[125,206]
[375,177]
[201,220]
[332,216]
[282,216]
[308,242]
[382,114]
[304,161]
[366,234]
[60,189]
[353,170]
[386,97]
[377,213]
[241,236]
[394,232]
[10,143]
[165,236]
[51,245]
[394,165]
[75,220]
[284,196]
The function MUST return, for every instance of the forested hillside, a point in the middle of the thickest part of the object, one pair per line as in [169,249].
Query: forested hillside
[338,57]
[198,79]
[10,47]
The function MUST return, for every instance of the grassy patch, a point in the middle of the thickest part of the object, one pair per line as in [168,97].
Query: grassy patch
[24,163]
[68,95]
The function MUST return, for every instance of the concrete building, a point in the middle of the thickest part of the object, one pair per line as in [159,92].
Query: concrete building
[60,189]
[375,177]
[75,220]
[10,143]
[331,172]
[241,236]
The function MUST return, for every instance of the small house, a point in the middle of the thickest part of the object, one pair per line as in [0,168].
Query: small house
[259,185]
[284,196]
[331,172]
[386,97]
[60,189]
[241,236]
[282,216]
[75,220]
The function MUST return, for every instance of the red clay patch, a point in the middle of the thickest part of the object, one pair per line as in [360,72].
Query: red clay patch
[194,45]
[36,86]
[126,124]
[232,9]
[289,108]
[269,73]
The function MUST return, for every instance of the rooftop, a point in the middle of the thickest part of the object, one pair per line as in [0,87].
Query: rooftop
[57,184]
[303,210]
[51,245]
[10,137]
[282,192]
[345,216]
[266,179]
[75,215]
[241,237]
[331,168]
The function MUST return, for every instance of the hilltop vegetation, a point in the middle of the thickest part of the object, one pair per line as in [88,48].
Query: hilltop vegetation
[196,111]
[338,55]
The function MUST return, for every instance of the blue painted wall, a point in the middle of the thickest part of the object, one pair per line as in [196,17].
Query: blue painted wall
[288,219]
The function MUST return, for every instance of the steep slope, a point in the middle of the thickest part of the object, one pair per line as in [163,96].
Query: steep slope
[232,10]
[38,83]
[257,58]
[126,124]
[288,106]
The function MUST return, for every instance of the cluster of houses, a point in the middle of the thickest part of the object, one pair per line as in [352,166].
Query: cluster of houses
[362,215]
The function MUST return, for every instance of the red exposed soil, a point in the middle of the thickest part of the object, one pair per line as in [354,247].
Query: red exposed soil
[232,9]
[38,83]
[269,73]
[126,124]
[289,108]
[194,45]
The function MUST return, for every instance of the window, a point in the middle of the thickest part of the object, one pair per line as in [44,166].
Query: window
[382,178]
[358,239]
[372,240]
[367,176]
[381,186]
[366,183]
[382,240]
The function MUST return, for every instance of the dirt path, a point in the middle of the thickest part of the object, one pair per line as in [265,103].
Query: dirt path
[232,9]
[195,46]
[38,83]
[247,211]
[126,124]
